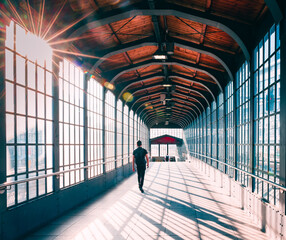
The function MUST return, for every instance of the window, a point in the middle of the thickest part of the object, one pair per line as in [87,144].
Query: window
[29,114]
[221,132]
[119,133]
[131,132]
[267,113]
[94,126]
[229,121]
[242,127]
[71,123]
[109,131]
[125,134]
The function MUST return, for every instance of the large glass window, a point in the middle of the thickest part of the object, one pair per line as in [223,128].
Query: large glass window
[109,131]
[267,113]
[94,126]
[125,134]
[221,132]
[229,121]
[214,131]
[209,133]
[119,133]
[29,114]
[71,123]
[242,112]
[131,132]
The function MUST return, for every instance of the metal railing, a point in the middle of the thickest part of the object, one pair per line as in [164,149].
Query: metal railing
[281,187]
[3,186]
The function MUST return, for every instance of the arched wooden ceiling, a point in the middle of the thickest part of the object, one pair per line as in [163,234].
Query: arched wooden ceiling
[117,39]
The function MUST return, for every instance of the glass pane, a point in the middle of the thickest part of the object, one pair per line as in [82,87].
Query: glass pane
[20,70]
[49,156]
[10,35]
[9,65]
[272,39]
[42,184]
[11,193]
[272,69]
[10,133]
[32,158]
[41,131]
[41,79]
[278,97]
[49,89]
[278,65]
[22,189]
[10,161]
[31,103]
[21,129]
[32,186]
[41,105]
[21,159]
[49,132]
[49,108]
[272,99]
[31,75]
[31,130]
[21,100]
[266,74]
[41,157]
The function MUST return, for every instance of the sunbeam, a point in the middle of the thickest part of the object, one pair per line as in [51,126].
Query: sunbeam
[69,26]
[53,21]
[31,17]
[17,14]
[75,54]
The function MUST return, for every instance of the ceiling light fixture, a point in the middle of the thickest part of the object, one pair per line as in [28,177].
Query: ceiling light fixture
[160,55]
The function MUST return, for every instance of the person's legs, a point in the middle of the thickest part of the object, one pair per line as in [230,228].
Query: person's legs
[141,173]
[142,177]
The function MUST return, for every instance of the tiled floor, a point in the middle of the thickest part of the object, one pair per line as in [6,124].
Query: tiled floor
[178,203]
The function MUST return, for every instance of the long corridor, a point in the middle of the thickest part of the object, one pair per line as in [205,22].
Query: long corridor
[179,203]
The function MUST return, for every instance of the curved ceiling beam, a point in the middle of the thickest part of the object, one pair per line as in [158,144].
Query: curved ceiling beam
[125,85]
[222,57]
[175,108]
[215,75]
[107,53]
[204,84]
[154,85]
[153,94]
[183,77]
[274,9]
[145,111]
[182,86]
[238,31]
[175,119]
[154,124]
[160,120]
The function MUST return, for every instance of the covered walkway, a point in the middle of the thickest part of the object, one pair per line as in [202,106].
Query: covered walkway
[179,202]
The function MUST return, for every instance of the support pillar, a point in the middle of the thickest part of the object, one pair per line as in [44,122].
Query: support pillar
[56,131]
[283,113]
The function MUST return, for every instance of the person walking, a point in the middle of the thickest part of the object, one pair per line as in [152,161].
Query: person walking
[139,156]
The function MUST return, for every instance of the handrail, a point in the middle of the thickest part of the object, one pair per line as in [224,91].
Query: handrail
[7,184]
[281,187]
